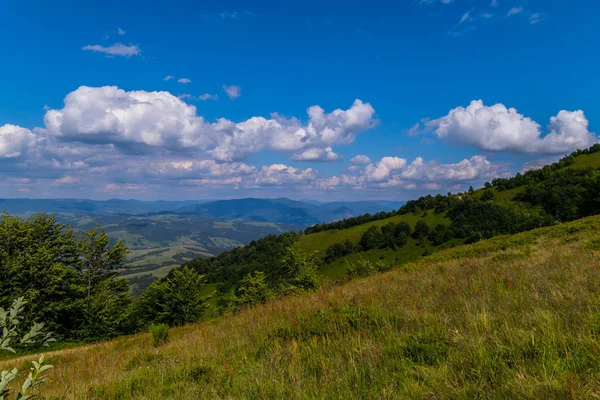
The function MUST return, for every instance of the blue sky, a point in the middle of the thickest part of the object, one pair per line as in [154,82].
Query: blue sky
[451,93]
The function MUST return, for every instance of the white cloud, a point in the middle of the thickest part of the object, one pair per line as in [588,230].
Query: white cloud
[121,31]
[317,154]
[486,15]
[494,3]
[289,135]
[208,96]
[383,169]
[117,49]
[360,159]
[184,80]
[168,78]
[499,128]
[203,97]
[232,91]
[414,130]
[66,180]
[112,187]
[197,169]
[465,17]
[111,115]
[228,15]
[477,167]
[140,121]
[14,141]
[514,11]
[279,174]
[535,18]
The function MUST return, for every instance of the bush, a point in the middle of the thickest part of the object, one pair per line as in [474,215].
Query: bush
[160,334]
[253,289]
[10,332]
[175,300]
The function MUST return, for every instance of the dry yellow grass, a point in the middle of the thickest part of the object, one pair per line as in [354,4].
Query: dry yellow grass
[511,317]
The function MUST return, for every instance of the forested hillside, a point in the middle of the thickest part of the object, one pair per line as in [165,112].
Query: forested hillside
[560,192]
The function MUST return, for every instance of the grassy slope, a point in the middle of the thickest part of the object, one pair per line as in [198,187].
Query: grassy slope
[586,161]
[321,240]
[413,250]
[510,317]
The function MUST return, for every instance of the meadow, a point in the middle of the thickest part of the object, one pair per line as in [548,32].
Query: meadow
[510,317]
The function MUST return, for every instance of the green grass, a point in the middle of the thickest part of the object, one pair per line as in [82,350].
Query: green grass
[586,161]
[514,317]
[321,240]
[337,269]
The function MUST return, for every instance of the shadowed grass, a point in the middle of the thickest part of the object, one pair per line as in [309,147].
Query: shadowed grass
[510,317]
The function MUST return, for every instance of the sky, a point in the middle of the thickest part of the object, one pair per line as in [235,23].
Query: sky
[322,100]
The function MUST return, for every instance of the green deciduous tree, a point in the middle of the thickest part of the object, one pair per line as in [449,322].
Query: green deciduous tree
[253,289]
[302,269]
[105,307]
[421,229]
[37,261]
[174,300]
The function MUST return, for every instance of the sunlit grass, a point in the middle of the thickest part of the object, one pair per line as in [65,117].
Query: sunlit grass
[511,317]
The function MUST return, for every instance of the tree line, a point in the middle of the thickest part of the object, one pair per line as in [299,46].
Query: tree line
[531,177]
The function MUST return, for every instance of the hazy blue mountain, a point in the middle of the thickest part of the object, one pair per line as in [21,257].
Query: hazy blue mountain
[83,206]
[163,234]
[283,210]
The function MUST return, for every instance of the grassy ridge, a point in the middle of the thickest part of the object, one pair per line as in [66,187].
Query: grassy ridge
[510,317]
[586,161]
[321,240]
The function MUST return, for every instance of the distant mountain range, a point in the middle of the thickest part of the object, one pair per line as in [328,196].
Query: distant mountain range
[280,211]
[163,234]
[285,211]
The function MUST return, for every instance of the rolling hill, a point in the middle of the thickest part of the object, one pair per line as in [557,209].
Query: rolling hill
[512,205]
[164,234]
[509,317]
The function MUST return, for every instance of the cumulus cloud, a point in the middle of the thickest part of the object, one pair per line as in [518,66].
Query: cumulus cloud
[316,154]
[14,140]
[168,78]
[360,159]
[383,169]
[477,167]
[121,31]
[290,135]
[395,172]
[189,169]
[514,11]
[184,80]
[232,91]
[111,115]
[117,49]
[494,3]
[279,174]
[140,121]
[499,128]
